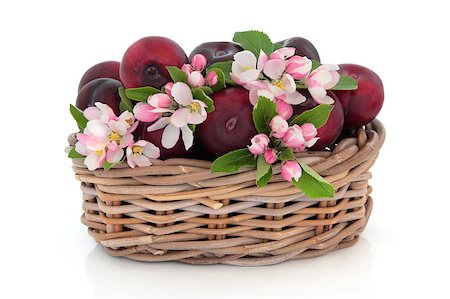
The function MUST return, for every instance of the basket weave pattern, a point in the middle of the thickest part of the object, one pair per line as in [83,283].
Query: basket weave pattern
[177,210]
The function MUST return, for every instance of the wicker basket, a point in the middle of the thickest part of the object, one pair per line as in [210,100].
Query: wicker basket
[177,210]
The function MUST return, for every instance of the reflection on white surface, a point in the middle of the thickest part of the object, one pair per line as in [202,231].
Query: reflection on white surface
[344,273]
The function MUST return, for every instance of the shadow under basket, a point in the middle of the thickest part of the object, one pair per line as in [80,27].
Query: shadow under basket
[177,210]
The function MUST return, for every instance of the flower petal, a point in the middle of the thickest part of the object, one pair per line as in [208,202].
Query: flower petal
[180,117]
[144,112]
[245,59]
[294,98]
[159,124]
[98,128]
[142,161]
[187,136]
[274,68]
[151,150]
[170,136]
[92,113]
[114,156]
[126,140]
[181,93]
[249,75]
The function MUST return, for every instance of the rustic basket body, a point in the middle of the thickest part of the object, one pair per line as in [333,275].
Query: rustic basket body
[177,210]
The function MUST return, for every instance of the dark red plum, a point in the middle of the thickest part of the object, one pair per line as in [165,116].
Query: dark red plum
[362,105]
[333,128]
[303,47]
[178,151]
[104,90]
[230,126]
[145,61]
[216,51]
[105,69]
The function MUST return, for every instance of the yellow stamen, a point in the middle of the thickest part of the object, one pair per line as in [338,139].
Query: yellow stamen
[278,83]
[194,107]
[114,137]
[137,150]
[129,121]
[99,152]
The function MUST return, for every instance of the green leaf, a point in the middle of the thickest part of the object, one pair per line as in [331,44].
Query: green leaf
[286,155]
[141,94]
[262,182]
[208,90]
[318,116]
[225,67]
[220,79]
[277,46]
[312,184]
[315,64]
[75,155]
[263,113]
[107,166]
[200,94]
[346,83]
[177,75]
[254,41]
[233,161]
[125,103]
[78,116]
[262,170]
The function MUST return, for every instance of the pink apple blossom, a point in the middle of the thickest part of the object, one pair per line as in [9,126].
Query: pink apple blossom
[283,53]
[299,67]
[139,153]
[198,62]
[144,112]
[259,144]
[100,112]
[291,170]
[244,68]
[284,109]
[322,79]
[168,88]
[294,137]
[95,159]
[196,79]
[159,100]
[279,126]
[212,78]
[187,68]
[309,133]
[270,156]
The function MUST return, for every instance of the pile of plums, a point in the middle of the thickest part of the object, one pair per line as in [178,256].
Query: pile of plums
[230,126]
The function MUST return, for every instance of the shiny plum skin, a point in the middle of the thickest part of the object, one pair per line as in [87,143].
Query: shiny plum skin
[105,69]
[230,126]
[333,128]
[144,63]
[216,51]
[303,47]
[362,105]
[178,151]
[104,90]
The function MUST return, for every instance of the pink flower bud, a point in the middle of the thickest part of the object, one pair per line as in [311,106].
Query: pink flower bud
[168,88]
[284,109]
[298,67]
[187,68]
[270,156]
[279,126]
[198,62]
[300,149]
[143,112]
[160,100]
[294,137]
[309,131]
[212,78]
[259,144]
[196,79]
[291,170]
[283,53]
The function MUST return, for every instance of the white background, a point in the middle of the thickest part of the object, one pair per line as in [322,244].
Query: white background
[45,47]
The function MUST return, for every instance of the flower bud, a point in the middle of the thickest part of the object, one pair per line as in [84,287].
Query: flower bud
[168,89]
[198,62]
[143,112]
[160,100]
[270,156]
[294,137]
[259,144]
[279,126]
[298,67]
[196,79]
[212,78]
[309,131]
[291,170]
[284,109]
